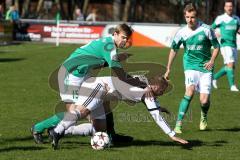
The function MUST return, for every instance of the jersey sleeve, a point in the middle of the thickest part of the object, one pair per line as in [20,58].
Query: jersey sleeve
[177,41]
[216,23]
[213,39]
[154,108]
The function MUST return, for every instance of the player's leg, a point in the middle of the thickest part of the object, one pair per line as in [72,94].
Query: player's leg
[98,123]
[191,80]
[90,96]
[222,71]
[116,138]
[205,105]
[68,88]
[230,66]
[205,90]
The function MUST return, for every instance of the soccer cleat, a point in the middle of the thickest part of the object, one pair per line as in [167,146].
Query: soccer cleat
[37,137]
[203,123]
[55,138]
[178,129]
[49,131]
[117,138]
[234,88]
[214,84]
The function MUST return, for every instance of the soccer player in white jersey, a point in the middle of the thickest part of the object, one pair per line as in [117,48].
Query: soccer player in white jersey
[197,39]
[229,27]
[94,91]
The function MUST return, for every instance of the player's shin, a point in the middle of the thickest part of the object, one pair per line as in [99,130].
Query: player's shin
[48,123]
[183,107]
[204,109]
[70,118]
[230,76]
[85,129]
[220,73]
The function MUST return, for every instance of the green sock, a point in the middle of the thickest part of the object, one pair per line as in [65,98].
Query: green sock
[220,73]
[205,108]
[183,107]
[230,76]
[48,123]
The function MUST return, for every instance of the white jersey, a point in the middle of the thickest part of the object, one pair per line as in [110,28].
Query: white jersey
[111,88]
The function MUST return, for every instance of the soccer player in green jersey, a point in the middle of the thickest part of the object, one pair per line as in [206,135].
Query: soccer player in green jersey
[197,39]
[229,27]
[76,69]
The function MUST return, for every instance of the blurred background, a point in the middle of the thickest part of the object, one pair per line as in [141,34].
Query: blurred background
[34,19]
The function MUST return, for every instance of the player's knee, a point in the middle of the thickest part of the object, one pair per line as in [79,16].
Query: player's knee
[84,112]
[190,91]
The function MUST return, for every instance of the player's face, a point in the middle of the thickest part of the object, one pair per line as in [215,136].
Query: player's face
[191,19]
[120,39]
[228,8]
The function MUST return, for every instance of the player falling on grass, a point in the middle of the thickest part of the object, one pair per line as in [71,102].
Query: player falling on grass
[77,68]
[197,39]
[93,91]
[229,27]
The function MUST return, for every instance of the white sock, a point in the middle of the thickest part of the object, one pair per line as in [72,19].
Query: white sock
[70,118]
[85,129]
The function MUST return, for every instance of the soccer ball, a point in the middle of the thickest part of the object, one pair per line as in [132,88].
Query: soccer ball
[100,140]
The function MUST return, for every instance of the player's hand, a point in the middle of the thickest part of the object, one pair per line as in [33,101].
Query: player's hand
[180,140]
[209,65]
[166,75]
[149,93]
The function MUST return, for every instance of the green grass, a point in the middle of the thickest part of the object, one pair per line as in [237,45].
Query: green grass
[26,98]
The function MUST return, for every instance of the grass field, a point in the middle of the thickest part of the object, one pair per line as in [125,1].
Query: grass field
[26,98]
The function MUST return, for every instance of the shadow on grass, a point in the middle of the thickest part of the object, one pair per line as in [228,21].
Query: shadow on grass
[2,60]
[27,138]
[21,148]
[192,144]
[235,129]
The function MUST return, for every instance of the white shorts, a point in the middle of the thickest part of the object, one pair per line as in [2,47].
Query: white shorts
[91,96]
[229,54]
[69,93]
[202,81]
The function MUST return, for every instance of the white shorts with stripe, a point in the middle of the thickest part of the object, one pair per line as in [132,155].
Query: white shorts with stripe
[91,95]
[69,92]
[229,54]
[201,81]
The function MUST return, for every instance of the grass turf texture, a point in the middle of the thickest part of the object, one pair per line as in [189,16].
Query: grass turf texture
[26,98]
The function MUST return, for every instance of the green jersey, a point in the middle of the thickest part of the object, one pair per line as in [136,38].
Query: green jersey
[228,26]
[93,55]
[197,46]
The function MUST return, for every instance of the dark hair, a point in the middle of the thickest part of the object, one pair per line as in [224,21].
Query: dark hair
[189,8]
[226,1]
[123,28]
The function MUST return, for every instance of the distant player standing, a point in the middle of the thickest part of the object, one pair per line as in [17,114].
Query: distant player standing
[197,39]
[229,27]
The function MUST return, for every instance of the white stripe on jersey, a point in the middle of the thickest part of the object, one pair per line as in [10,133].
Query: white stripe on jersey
[186,33]
[225,18]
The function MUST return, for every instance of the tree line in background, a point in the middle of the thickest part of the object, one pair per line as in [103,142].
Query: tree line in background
[155,11]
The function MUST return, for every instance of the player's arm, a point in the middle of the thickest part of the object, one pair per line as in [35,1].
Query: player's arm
[214,42]
[154,109]
[176,43]
[123,76]
[171,58]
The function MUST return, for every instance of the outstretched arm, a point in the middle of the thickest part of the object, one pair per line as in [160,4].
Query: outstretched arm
[153,108]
